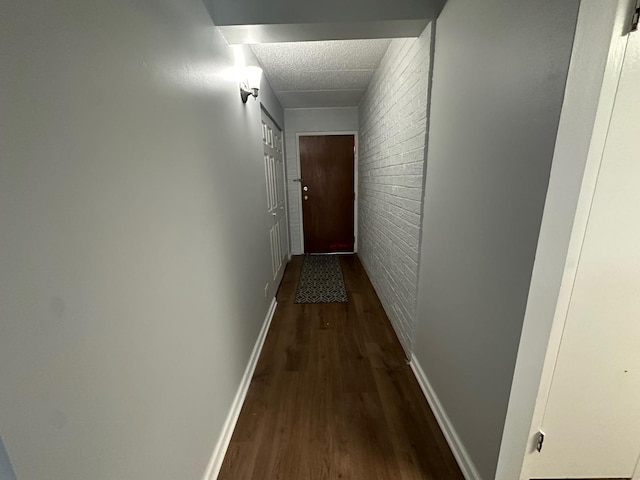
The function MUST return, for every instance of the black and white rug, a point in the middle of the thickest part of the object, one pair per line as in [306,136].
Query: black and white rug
[321,280]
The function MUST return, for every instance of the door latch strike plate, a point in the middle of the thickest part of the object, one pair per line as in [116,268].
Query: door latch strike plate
[539,441]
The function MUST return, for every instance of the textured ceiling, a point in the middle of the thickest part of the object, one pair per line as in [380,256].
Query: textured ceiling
[320,74]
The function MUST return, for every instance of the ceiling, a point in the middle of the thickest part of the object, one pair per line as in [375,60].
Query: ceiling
[332,73]
[270,12]
[320,54]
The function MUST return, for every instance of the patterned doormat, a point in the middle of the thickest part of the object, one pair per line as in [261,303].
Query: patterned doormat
[321,280]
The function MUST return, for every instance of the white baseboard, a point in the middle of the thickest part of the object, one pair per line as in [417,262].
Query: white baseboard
[457,447]
[213,469]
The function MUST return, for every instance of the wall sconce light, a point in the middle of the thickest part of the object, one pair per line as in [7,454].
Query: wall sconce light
[250,82]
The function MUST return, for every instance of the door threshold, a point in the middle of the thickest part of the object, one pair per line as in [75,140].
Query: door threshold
[331,253]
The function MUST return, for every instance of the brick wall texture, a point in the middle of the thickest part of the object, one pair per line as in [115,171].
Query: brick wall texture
[391,163]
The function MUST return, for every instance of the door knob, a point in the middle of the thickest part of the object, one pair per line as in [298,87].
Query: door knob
[305,188]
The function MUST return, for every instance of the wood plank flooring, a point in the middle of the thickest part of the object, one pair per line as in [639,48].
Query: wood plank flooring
[333,398]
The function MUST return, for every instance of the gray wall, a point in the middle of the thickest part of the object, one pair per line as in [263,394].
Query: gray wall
[499,75]
[393,123]
[592,83]
[308,120]
[6,469]
[254,12]
[133,238]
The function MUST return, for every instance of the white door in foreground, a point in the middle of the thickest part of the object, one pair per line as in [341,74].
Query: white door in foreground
[592,418]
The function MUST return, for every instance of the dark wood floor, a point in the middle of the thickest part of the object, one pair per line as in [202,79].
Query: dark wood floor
[332,397]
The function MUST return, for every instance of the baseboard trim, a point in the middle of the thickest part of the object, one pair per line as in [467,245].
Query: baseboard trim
[213,469]
[457,447]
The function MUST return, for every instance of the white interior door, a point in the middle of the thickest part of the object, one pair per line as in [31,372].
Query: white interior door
[274,177]
[592,418]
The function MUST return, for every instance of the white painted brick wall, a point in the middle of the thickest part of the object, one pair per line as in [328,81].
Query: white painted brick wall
[393,121]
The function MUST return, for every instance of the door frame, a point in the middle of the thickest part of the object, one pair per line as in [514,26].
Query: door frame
[263,109]
[586,110]
[355,181]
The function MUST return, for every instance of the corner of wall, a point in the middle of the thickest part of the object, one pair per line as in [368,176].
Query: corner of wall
[393,118]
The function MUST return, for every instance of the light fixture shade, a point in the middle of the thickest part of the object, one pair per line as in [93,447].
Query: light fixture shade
[253,76]
[250,82]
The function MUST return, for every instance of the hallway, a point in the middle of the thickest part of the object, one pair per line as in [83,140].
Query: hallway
[152,190]
[332,396]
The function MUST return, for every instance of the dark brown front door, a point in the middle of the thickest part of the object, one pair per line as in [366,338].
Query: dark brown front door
[326,168]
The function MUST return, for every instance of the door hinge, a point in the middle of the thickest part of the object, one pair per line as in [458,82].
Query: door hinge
[539,440]
[636,17]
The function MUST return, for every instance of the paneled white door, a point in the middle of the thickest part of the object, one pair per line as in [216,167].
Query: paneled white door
[592,417]
[274,177]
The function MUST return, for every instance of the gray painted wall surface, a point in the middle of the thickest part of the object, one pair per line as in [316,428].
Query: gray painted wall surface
[499,76]
[133,238]
[270,102]
[308,120]
[393,122]
[6,469]
[256,12]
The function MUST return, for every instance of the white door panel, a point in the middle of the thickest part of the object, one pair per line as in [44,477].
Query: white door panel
[274,177]
[592,418]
